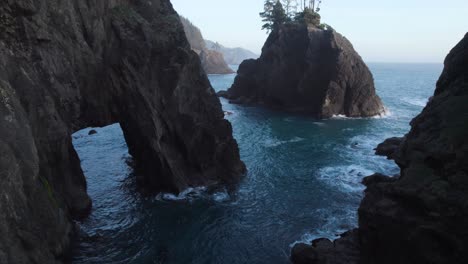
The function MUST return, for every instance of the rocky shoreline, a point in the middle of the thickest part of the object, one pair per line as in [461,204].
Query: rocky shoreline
[420,215]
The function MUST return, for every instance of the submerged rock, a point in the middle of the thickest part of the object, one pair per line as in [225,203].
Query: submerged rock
[68,65]
[308,70]
[422,216]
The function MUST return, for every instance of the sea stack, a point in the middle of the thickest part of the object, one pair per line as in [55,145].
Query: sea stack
[420,215]
[305,69]
[68,65]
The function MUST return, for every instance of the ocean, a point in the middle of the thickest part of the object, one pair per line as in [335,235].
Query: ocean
[303,182]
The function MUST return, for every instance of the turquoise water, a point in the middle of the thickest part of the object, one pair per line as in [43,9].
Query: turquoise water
[303,182]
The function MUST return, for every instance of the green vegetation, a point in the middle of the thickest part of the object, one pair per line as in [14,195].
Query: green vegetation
[278,12]
[49,190]
[273,15]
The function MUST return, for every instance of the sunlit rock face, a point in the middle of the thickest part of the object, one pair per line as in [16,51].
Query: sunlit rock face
[66,65]
[212,60]
[307,70]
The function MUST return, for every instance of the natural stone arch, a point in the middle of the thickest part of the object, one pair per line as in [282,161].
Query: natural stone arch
[67,65]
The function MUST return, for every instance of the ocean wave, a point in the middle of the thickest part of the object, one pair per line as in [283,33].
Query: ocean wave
[319,123]
[195,193]
[271,143]
[385,114]
[344,177]
[187,194]
[335,225]
[415,101]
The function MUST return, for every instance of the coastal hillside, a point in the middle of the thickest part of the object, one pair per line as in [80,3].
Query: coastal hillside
[233,56]
[68,65]
[213,61]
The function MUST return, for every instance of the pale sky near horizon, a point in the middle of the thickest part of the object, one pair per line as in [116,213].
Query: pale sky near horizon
[391,31]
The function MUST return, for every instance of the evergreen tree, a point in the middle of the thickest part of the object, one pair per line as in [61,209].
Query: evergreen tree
[290,7]
[273,15]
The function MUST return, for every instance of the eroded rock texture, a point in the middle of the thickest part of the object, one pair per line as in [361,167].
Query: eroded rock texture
[67,65]
[421,216]
[307,70]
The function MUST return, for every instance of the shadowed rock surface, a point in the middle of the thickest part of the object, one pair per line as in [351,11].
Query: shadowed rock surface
[67,65]
[420,217]
[212,60]
[389,147]
[307,70]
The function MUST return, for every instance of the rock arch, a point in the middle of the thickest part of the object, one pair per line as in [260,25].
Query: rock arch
[67,65]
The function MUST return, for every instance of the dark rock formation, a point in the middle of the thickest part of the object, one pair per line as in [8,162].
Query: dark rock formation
[422,216]
[212,60]
[389,147]
[92,132]
[67,65]
[345,250]
[308,70]
[232,55]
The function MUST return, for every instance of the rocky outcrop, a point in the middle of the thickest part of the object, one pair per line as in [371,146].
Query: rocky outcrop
[389,148]
[421,216]
[212,60]
[67,65]
[308,70]
[233,56]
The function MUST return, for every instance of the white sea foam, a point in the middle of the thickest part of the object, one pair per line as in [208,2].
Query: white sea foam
[335,225]
[191,194]
[345,177]
[415,101]
[187,194]
[386,113]
[319,123]
[271,143]
[221,196]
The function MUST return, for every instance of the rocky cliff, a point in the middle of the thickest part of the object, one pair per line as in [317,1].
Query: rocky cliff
[307,70]
[232,55]
[212,60]
[421,215]
[67,65]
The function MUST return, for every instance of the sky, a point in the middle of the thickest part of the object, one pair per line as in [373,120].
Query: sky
[405,31]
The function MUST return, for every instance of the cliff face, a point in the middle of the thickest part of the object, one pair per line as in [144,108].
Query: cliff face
[67,65]
[232,55]
[212,61]
[307,70]
[421,216]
